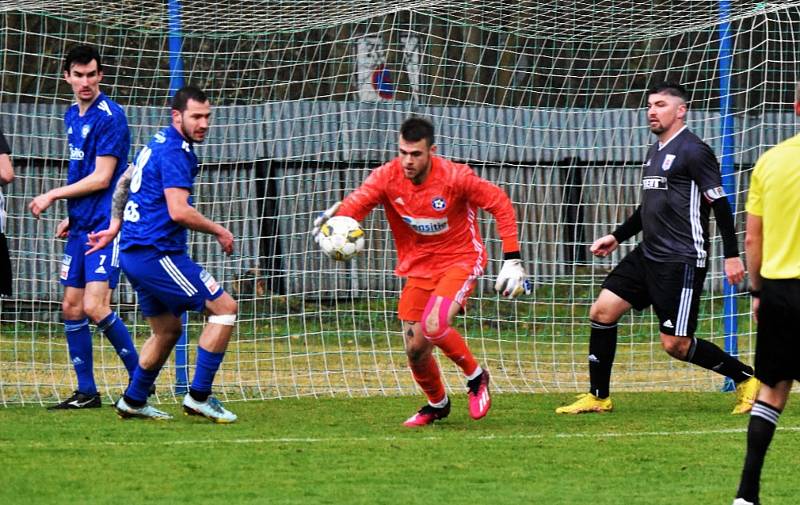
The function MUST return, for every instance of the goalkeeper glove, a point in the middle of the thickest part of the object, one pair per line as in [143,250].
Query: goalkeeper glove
[512,280]
[322,219]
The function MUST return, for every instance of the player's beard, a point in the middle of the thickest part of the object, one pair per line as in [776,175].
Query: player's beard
[188,135]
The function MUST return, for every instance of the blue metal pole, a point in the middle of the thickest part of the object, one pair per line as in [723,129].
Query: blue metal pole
[728,179]
[175,39]
[175,46]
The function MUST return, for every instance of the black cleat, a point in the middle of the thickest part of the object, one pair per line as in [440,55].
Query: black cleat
[78,400]
[427,415]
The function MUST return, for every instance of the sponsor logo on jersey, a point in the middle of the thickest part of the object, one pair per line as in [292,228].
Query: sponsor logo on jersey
[85,130]
[209,281]
[66,261]
[654,182]
[75,153]
[439,203]
[647,163]
[668,324]
[185,146]
[160,137]
[427,226]
[399,201]
[103,106]
[667,164]
[69,131]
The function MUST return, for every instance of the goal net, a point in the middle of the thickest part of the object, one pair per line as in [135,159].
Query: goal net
[544,98]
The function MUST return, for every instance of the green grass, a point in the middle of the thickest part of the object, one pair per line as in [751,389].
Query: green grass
[656,448]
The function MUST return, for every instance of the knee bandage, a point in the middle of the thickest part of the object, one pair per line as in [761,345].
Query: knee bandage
[223,319]
[443,327]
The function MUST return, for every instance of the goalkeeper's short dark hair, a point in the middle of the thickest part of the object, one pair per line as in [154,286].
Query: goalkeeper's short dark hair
[181,99]
[415,129]
[82,55]
[670,88]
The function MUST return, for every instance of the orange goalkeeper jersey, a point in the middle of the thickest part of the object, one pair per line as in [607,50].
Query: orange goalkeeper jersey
[435,224]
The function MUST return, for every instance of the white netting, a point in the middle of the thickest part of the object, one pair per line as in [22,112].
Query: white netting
[545,98]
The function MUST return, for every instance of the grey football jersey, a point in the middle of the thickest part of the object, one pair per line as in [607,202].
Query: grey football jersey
[678,183]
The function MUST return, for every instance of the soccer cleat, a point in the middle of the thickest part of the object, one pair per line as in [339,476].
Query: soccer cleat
[742,501]
[587,402]
[146,411]
[746,393]
[78,400]
[478,393]
[427,415]
[211,409]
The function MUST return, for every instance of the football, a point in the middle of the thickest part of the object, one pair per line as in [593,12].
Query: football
[341,238]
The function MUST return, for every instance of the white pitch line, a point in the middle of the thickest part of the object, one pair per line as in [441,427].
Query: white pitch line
[410,438]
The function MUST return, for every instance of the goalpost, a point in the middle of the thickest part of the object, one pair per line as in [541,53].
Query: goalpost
[544,98]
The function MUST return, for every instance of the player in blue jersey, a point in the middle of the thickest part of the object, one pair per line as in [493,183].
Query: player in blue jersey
[99,141]
[154,198]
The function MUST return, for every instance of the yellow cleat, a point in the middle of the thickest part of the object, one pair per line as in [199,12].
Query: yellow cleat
[587,402]
[746,393]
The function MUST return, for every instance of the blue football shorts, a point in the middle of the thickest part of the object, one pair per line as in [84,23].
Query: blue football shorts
[168,281]
[77,268]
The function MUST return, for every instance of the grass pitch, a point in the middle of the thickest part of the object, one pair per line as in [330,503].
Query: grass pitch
[656,448]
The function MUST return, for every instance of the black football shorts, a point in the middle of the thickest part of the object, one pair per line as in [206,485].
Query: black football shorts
[673,289]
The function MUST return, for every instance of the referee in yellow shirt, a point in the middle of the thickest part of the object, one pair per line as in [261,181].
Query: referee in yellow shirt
[773,260]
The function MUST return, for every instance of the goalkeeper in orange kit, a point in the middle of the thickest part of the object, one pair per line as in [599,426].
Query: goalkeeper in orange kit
[432,207]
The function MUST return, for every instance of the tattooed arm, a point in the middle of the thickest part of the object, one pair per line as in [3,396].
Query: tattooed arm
[100,239]
[120,197]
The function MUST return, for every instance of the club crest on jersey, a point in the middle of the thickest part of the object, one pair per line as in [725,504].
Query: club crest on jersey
[85,130]
[439,203]
[426,226]
[667,164]
[654,182]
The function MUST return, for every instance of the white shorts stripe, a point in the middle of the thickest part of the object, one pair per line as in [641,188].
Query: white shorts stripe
[685,306]
[683,312]
[115,252]
[177,276]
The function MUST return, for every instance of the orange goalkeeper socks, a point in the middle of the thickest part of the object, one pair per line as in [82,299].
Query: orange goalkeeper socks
[454,347]
[426,374]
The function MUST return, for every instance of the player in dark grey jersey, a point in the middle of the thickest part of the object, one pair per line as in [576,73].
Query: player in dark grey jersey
[681,184]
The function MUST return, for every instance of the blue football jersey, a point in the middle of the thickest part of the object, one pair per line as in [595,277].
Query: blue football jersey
[101,131]
[168,161]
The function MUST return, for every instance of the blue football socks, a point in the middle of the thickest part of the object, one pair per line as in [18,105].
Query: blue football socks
[117,333]
[79,342]
[139,388]
[205,369]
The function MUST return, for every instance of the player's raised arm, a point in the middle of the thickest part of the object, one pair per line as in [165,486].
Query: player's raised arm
[512,280]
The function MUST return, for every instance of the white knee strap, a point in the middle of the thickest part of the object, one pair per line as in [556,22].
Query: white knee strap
[223,319]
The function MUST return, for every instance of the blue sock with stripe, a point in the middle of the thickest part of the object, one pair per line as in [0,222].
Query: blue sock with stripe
[79,342]
[117,333]
[139,388]
[205,369]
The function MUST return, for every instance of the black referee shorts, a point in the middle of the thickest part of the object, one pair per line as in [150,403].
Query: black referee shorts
[778,342]
[673,289]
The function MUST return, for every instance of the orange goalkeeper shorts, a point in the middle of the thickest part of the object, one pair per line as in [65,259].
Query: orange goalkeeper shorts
[456,284]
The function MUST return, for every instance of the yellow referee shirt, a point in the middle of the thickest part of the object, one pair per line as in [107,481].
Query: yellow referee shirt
[775,196]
